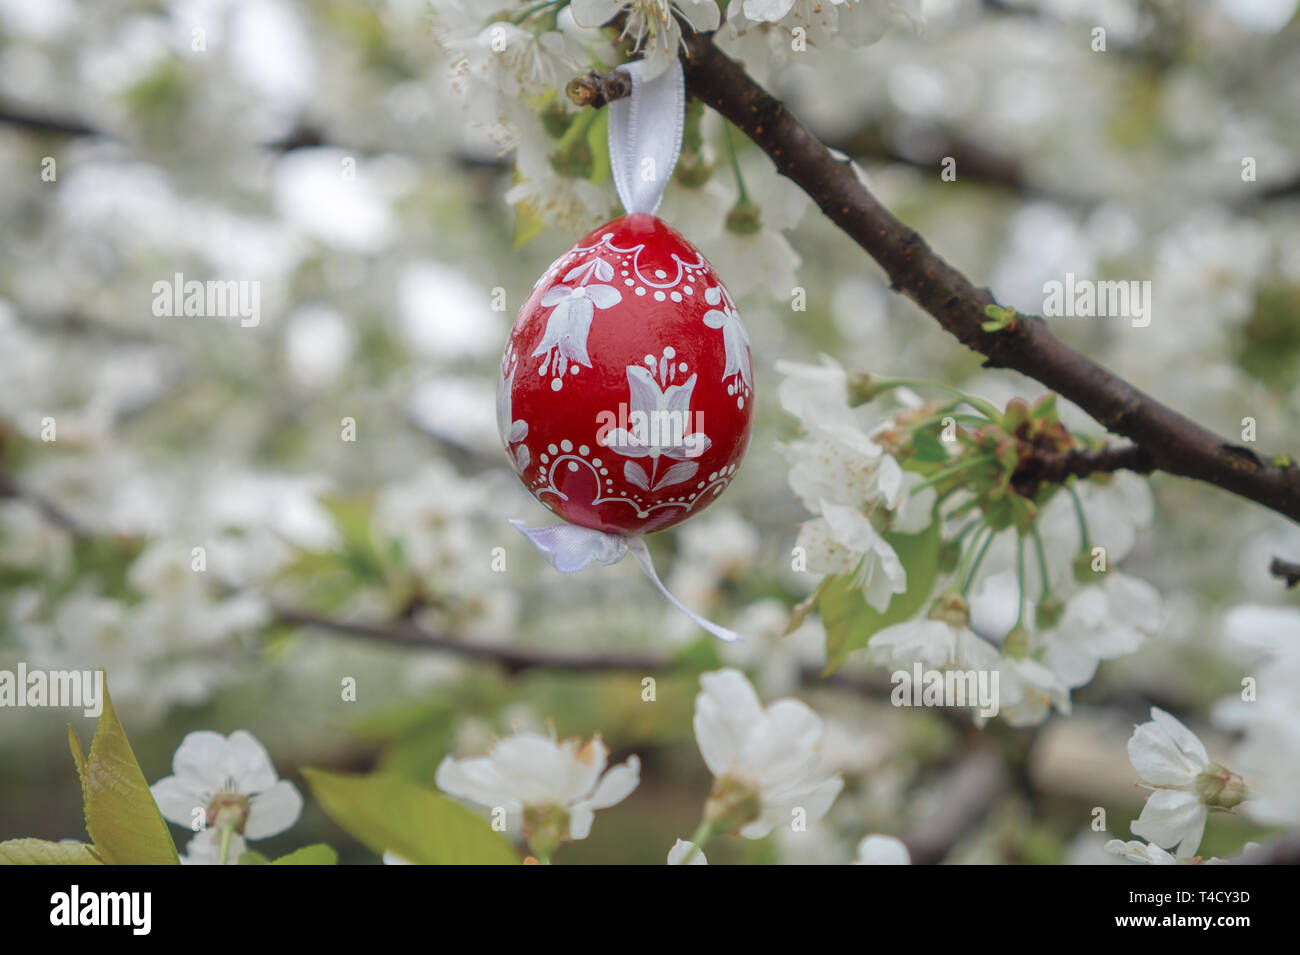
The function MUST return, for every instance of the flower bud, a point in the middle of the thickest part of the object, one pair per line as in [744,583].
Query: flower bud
[733,803]
[1049,611]
[951,608]
[1083,571]
[693,171]
[1016,645]
[744,218]
[861,389]
[1220,789]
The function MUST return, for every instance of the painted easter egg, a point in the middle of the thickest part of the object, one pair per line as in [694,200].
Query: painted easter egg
[626,395]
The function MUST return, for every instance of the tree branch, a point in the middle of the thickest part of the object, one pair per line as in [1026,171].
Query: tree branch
[512,658]
[1286,570]
[516,659]
[1171,442]
[1042,466]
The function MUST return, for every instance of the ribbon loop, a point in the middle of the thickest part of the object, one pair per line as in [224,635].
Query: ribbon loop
[570,548]
[645,135]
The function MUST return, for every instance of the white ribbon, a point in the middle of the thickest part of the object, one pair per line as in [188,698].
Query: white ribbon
[645,135]
[570,548]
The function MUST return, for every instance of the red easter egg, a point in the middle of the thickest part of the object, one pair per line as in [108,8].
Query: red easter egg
[626,392]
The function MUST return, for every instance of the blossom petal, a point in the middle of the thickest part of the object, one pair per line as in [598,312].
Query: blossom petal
[539,770]
[1165,752]
[273,811]
[580,819]
[617,784]
[595,13]
[929,641]
[197,759]
[726,710]
[782,748]
[1140,853]
[768,11]
[1172,818]
[702,15]
[1186,741]
[476,780]
[248,763]
[177,800]
[815,800]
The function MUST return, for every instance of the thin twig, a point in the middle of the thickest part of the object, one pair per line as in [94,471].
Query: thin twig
[52,512]
[1053,468]
[517,659]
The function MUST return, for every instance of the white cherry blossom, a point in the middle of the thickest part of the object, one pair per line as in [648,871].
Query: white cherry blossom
[555,785]
[227,782]
[1102,622]
[1184,784]
[766,762]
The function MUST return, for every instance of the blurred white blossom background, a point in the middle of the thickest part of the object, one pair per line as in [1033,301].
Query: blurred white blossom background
[382,168]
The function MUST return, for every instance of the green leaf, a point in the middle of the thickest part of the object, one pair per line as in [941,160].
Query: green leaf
[318,854]
[78,756]
[1001,318]
[389,813]
[929,448]
[121,817]
[42,852]
[1045,407]
[253,857]
[851,622]
[358,552]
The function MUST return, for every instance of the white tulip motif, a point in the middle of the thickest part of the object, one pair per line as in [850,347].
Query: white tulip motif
[659,419]
[564,343]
